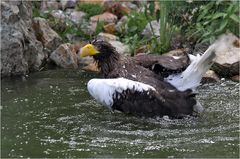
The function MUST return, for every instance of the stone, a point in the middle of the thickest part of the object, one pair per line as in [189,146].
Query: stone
[44,33]
[77,16]
[130,5]
[21,52]
[235,78]
[177,52]
[68,4]
[58,15]
[121,25]
[117,8]
[148,33]
[91,67]
[110,28]
[200,48]
[107,37]
[142,49]
[210,77]
[50,5]
[105,17]
[226,63]
[100,2]
[120,47]
[65,56]
[57,20]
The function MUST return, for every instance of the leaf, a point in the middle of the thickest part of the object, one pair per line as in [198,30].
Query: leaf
[235,18]
[230,9]
[99,27]
[152,7]
[206,22]
[133,28]
[158,15]
[217,15]
[222,26]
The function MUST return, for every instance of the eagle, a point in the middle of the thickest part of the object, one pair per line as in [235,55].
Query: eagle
[147,85]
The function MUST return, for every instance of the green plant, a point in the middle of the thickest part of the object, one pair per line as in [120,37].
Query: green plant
[214,19]
[166,26]
[90,9]
[203,21]
[99,27]
[136,23]
[164,33]
[132,33]
[36,11]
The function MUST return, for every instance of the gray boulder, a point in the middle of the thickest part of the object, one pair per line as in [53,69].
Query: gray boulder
[21,52]
[152,28]
[44,33]
[227,61]
[65,56]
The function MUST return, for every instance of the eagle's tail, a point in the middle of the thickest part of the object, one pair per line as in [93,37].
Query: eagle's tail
[191,77]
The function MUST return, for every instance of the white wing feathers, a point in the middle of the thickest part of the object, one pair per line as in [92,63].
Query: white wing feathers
[103,90]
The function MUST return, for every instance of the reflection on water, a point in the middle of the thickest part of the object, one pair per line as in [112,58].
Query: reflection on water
[51,114]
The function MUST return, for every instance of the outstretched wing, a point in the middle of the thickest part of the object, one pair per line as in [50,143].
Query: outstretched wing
[140,99]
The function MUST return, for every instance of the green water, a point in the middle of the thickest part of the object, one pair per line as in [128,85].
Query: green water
[51,114]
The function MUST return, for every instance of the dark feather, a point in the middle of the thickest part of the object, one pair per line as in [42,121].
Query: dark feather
[166,100]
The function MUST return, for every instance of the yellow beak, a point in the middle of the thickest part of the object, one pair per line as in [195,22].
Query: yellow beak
[88,50]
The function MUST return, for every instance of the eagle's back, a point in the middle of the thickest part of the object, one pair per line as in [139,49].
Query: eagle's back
[165,100]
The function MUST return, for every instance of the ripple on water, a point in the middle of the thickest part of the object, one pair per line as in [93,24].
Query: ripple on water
[56,117]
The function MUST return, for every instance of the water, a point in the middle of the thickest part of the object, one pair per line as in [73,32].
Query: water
[51,114]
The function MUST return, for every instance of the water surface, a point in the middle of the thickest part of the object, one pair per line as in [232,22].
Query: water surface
[51,114]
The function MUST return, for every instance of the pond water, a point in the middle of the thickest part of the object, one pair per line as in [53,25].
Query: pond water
[51,114]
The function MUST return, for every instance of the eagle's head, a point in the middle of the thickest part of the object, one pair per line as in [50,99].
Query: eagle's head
[100,50]
[104,54]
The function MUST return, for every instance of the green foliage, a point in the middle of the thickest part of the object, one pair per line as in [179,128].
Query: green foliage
[132,32]
[90,9]
[216,18]
[99,27]
[204,21]
[164,34]
[136,23]
[36,12]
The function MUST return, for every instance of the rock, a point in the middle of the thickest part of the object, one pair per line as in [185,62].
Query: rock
[77,16]
[110,28]
[105,17]
[120,47]
[91,67]
[107,37]
[100,2]
[226,64]
[177,52]
[58,15]
[121,25]
[49,38]
[235,78]
[57,20]
[50,5]
[142,49]
[210,77]
[131,6]
[178,41]
[21,52]
[65,56]
[147,32]
[68,4]
[117,8]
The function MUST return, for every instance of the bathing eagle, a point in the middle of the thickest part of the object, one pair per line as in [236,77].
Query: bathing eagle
[147,85]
